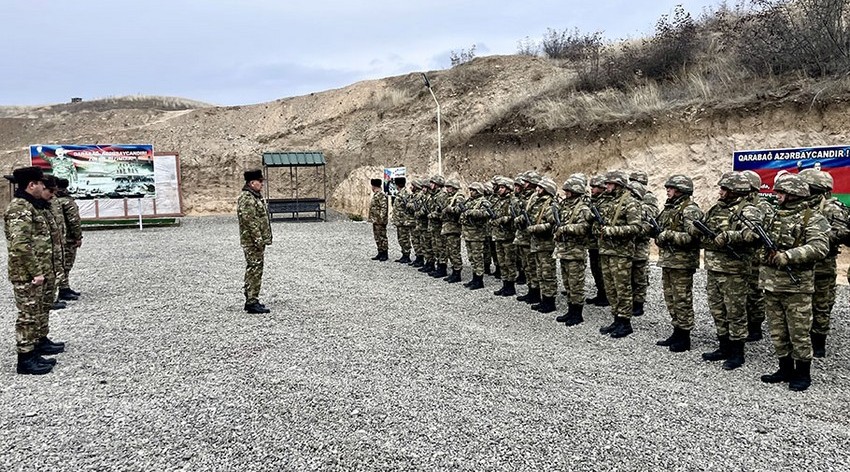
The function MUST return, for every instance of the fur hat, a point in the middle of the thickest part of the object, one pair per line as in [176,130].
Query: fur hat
[255,174]
[376,182]
[25,175]
[50,182]
[400,181]
[63,183]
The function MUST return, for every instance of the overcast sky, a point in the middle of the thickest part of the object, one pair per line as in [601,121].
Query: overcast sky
[232,52]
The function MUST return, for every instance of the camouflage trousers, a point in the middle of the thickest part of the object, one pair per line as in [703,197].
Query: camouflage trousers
[790,318]
[727,298]
[596,270]
[379,232]
[617,274]
[489,254]
[475,251]
[573,274]
[438,243]
[405,238]
[70,258]
[640,280]
[506,258]
[253,273]
[416,240]
[678,285]
[425,241]
[547,273]
[823,300]
[755,297]
[453,255]
[49,294]
[529,265]
[28,300]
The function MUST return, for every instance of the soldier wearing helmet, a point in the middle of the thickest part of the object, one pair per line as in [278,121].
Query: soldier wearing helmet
[455,205]
[597,197]
[502,231]
[755,295]
[421,235]
[542,244]
[378,216]
[474,222]
[436,203]
[522,239]
[640,263]
[403,219]
[727,265]
[801,235]
[489,247]
[820,187]
[678,257]
[571,247]
[622,214]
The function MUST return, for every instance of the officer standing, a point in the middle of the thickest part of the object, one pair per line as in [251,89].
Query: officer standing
[542,244]
[755,295]
[455,205]
[474,223]
[424,253]
[56,223]
[403,219]
[571,247]
[787,276]
[522,239]
[379,216]
[73,237]
[502,231]
[640,263]
[597,198]
[255,233]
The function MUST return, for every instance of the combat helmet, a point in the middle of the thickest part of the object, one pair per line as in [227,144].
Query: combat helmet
[639,176]
[597,181]
[819,181]
[755,179]
[438,180]
[617,177]
[549,186]
[504,181]
[478,187]
[637,189]
[792,184]
[680,182]
[735,182]
[579,175]
[575,185]
[453,183]
[531,177]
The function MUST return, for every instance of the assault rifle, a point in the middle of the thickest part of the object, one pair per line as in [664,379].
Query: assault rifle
[556,215]
[702,228]
[768,243]
[486,206]
[655,228]
[596,215]
[525,217]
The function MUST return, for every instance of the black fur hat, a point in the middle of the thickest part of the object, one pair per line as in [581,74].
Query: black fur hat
[63,183]
[377,183]
[255,174]
[50,182]
[400,181]
[25,175]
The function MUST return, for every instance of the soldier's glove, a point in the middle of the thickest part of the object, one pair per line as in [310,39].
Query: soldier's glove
[722,239]
[749,235]
[664,237]
[520,222]
[610,232]
[780,259]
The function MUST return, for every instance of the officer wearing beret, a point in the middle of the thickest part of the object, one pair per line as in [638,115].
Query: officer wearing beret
[255,233]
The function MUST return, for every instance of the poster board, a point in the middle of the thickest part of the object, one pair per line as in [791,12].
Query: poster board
[391,173]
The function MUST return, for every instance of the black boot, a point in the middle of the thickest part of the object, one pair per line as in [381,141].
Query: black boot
[520,278]
[383,256]
[487,270]
[802,377]
[67,294]
[499,292]
[28,364]
[440,271]
[59,305]
[476,282]
[819,344]
[754,332]
[508,289]
[256,308]
[45,360]
[404,259]
[682,342]
[455,277]
[623,329]
[611,327]
[670,340]
[546,305]
[784,374]
[722,351]
[498,272]
[533,296]
[574,313]
[45,346]
[601,299]
[427,267]
[563,318]
[74,292]
[637,309]
[418,262]
[736,355]
[377,257]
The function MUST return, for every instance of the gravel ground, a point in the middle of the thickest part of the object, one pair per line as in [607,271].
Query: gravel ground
[368,365]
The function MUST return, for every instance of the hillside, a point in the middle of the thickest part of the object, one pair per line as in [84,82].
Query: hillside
[497,118]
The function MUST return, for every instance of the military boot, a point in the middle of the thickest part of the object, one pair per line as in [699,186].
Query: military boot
[256,308]
[383,256]
[28,364]
[45,360]
[476,282]
[418,262]
[487,270]
[427,267]
[722,351]
[498,272]
[404,259]
[802,378]
[611,327]
[563,318]
[637,309]
[754,332]
[670,339]
[546,305]
[66,294]
[377,257]
[601,299]
[623,329]
[73,292]
[784,374]
[574,314]
[736,355]
[682,342]
[455,277]
[510,289]
[533,296]
[440,271]
[520,278]
[45,346]
[501,291]
[59,305]
[818,344]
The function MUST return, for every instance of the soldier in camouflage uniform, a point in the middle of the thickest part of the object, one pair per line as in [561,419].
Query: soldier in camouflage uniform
[255,233]
[801,235]
[623,214]
[597,197]
[542,244]
[489,252]
[502,231]
[522,239]
[571,247]
[455,205]
[30,264]
[474,223]
[435,226]
[73,238]
[56,222]
[491,248]
[820,186]
[425,252]
[727,265]
[755,295]
[678,257]
[403,219]
[516,204]
[379,217]
[640,263]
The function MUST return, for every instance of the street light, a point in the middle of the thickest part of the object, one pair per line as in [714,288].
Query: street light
[439,136]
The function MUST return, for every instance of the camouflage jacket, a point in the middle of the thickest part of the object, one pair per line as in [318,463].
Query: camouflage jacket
[679,245]
[649,206]
[767,209]
[455,205]
[542,223]
[53,216]
[521,237]
[836,215]
[420,207]
[402,210]
[502,227]
[59,219]
[378,208]
[475,219]
[28,239]
[572,236]
[727,216]
[254,225]
[623,216]
[71,215]
[802,234]
[436,204]
[595,228]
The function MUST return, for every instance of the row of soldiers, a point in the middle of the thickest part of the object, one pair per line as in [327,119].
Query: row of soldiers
[761,257]
[43,231]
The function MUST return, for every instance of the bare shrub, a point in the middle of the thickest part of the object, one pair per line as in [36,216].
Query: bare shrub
[463,56]
[527,47]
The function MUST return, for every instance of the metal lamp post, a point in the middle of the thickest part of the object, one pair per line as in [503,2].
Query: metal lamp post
[439,134]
